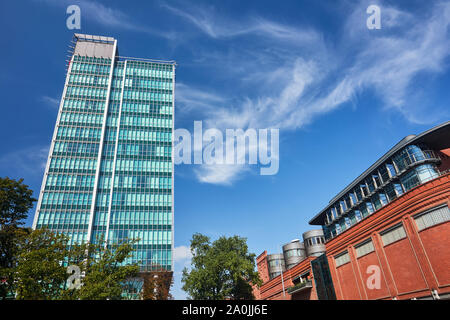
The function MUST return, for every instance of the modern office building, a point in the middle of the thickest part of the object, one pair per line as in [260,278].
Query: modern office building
[388,232]
[109,172]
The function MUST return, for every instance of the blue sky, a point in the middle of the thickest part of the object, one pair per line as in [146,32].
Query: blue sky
[340,94]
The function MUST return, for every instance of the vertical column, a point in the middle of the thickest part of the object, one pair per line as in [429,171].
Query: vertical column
[419,252]
[378,245]
[100,151]
[335,278]
[115,157]
[360,284]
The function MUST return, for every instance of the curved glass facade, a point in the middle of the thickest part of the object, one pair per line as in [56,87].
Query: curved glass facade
[406,169]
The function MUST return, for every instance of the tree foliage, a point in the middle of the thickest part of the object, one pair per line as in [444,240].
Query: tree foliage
[15,201]
[41,272]
[220,270]
[157,284]
[33,264]
[105,275]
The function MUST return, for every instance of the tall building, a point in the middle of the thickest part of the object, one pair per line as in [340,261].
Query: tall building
[109,172]
[387,232]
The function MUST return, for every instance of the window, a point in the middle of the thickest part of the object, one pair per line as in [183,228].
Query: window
[358,215]
[383,198]
[364,248]
[329,217]
[426,172]
[391,169]
[401,160]
[332,231]
[352,217]
[364,190]
[394,234]
[384,175]
[359,195]
[370,208]
[415,153]
[432,217]
[342,259]
[364,210]
[343,206]
[376,201]
[348,223]
[390,192]
[342,224]
[274,263]
[410,180]
[370,184]
[398,188]
[353,199]
[334,212]
[377,180]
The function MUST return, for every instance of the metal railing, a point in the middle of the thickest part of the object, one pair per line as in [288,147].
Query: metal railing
[301,285]
[413,161]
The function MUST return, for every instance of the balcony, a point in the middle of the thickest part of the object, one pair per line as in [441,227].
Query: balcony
[301,286]
[409,161]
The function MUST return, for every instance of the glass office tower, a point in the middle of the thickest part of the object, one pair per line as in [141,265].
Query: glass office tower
[109,172]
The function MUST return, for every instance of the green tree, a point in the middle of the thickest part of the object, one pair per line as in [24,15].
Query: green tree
[105,275]
[220,270]
[15,202]
[41,272]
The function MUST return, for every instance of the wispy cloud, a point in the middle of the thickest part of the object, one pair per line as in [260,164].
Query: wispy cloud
[310,84]
[49,101]
[190,99]
[111,17]
[211,24]
[28,162]
[220,174]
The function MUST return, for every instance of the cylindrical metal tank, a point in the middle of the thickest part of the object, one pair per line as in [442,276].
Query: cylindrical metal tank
[314,241]
[294,252]
[276,264]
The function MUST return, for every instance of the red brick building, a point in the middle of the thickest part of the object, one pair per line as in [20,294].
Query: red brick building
[298,282]
[416,262]
[387,234]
